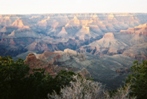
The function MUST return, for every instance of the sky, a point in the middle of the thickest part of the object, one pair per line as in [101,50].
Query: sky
[72,6]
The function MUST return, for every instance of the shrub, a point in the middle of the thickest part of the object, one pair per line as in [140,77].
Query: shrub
[17,83]
[80,88]
[121,93]
[138,80]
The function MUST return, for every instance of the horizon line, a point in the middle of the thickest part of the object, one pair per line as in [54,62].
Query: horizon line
[75,13]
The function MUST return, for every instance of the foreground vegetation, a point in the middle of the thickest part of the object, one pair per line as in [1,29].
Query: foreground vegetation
[138,80]
[16,82]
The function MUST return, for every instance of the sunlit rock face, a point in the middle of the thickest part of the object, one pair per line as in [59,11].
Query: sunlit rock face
[5,20]
[75,20]
[49,61]
[43,22]
[63,32]
[106,45]
[19,23]
[3,29]
[139,30]
[109,36]
[111,16]
[12,34]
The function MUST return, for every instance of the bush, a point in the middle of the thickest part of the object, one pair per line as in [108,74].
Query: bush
[17,83]
[121,93]
[80,88]
[12,75]
[138,80]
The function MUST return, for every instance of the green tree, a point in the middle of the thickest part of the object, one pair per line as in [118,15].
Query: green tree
[11,76]
[17,83]
[36,86]
[138,80]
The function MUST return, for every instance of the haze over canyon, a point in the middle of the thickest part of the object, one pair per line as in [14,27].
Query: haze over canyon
[102,45]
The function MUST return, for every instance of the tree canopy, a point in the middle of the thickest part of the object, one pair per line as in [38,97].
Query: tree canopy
[17,83]
[138,80]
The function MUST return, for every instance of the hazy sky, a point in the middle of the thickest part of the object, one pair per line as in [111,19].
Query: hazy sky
[71,6]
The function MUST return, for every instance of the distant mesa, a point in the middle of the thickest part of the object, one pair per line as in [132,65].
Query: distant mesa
[55,25]
[19,23]
[141,26]
[12,34]
[95,28]
[137,51]
[32,46]
[40,46]
[75,21]
[63,32]
[3,29]
[109,35]
[106,45]
[140,30]
[94,16]
[85,30]
[85,22]
[67,25]
[102,26]
[42,22]
[6,21]
[111,16]
[71,52]
[94,19]
[12,42]
[109,40]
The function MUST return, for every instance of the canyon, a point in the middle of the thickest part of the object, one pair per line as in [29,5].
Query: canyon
[102,45]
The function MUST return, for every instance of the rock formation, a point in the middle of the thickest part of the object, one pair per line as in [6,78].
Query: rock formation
[63,32]
[19,23]
[139,30]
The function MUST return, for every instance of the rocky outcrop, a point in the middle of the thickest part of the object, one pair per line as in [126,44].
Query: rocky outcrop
[70,52]
[46,61]
[83,33]
[5,20]
[19,23]
[111,16]
[36,63]
[42,23]
[106,45]
[12,42]
[12,34]
[138,30]
[138,52]
[63,32]
[74,21]
[37,46]
[109,36]
[84,73]
[3,30]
